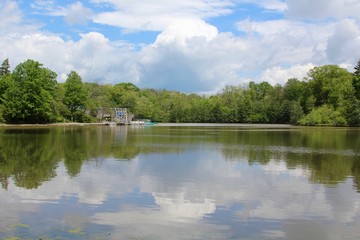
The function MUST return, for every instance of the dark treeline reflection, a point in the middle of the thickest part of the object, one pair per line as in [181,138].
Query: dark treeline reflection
[329,156]
[30,156]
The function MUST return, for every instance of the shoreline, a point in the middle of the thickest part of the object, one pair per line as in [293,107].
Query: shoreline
[240,125]
[209,125]
[34,125]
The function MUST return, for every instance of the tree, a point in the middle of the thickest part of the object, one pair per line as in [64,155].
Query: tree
[125,95]
[5,68]
[5,77]
[75,96]
[231,99]
[258,102]
[324,115]
[29,97]
[356,80]
[260,90]
[330,85]
[357,69]
[296,112]
[293,89]
[98,96]
[352,112]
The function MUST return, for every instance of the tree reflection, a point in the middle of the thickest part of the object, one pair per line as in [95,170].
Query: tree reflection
[75,151]
[30,156]
[330,155]
[355,171]
[4,180]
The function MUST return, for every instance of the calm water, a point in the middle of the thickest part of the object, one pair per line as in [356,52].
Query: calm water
[179,182]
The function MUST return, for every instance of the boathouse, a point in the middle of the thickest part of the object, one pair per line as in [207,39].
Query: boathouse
[117,115]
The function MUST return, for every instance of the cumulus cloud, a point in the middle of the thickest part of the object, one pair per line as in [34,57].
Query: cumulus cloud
[204,62]
[189,54]
[288,42]
[343,42]
[99,60]
[184,54]
[95,57]
[279,75]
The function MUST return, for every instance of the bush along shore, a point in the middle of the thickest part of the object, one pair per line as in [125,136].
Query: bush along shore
[328,96]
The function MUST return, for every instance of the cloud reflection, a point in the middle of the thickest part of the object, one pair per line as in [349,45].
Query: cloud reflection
[187,195]
[140,223]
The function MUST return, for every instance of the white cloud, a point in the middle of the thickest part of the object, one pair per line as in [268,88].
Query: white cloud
[279,75]
[94,57]
[189,54]
[322,9]
[270,5]
[278,5]
[10,14]
[156,15]
[48,5]
[75,13]
[182,31]
[287,42]
[344,41]
[99,60]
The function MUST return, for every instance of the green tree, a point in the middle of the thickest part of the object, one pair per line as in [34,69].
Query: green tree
[330,84]
[159,102]
[357,69]
[324,115]
[5,79]
[199,110]
[75,96]
[231,99]
[296,112]
[356,80]
[258,101]
[5,68]
[125,95]
[352,112]
[29,97]
[293,89]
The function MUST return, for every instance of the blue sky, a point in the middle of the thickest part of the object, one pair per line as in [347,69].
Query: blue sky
[185,45]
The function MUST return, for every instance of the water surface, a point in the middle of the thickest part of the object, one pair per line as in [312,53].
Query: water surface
[180,182]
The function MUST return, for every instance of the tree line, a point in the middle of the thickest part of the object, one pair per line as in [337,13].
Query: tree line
[328,95]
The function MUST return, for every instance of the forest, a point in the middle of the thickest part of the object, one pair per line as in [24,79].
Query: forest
[328,96]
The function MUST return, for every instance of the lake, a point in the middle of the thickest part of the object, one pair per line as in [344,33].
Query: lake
[189,181]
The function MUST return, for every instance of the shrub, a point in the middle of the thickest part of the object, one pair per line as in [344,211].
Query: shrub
[323,115]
